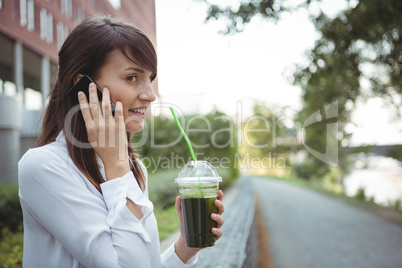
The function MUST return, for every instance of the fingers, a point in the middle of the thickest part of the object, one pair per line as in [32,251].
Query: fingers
[218,218]
[220,206]
[178,205]
[94,102]
[220,195]
[178,209]
[106,103]
[118,114]
[217,232]
[84,106]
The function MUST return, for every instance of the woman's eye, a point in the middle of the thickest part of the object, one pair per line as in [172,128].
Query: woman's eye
[152,78]
[132,78]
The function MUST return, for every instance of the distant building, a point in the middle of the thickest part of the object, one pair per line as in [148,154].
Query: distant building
[31,33]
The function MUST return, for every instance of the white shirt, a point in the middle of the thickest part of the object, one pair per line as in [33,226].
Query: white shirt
[68,223]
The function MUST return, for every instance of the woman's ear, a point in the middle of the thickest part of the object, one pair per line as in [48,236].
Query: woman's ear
[77,78]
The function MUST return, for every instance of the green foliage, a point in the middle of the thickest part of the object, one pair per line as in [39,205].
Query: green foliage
[358,56]
[236,19]
[395,152]
[337,61]
[304,170]
[361,194]
[10,209]
[168,221]
[162,188]
[267,141]
[11,236]
[161,146]
[11,247]
[396,204]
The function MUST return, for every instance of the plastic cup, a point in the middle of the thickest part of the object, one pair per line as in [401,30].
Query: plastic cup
[198,184]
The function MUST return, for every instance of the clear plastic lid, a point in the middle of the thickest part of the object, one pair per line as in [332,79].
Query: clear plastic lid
[199,171]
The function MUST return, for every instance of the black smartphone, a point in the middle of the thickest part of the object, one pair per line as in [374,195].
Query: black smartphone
[83,85]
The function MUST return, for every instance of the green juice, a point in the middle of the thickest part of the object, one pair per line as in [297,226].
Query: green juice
[198,184]
[197,221]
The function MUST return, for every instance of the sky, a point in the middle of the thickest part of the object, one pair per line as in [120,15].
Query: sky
[200,69]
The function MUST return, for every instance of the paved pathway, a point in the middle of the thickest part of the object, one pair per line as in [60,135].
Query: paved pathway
[310,229]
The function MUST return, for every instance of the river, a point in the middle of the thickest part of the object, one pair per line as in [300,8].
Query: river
[380,177]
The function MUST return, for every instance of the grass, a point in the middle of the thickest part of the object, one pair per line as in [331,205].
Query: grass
[168,221]
[11,244]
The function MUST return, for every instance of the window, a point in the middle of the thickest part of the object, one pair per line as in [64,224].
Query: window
[23,12]
[62,33]
[79,15]
[1,4]
[46,26]
[65,32]
[43,24]
[60,29]
[31,13]
[67,8]
[9,88]
[32,99]
[115,3]
[49,28]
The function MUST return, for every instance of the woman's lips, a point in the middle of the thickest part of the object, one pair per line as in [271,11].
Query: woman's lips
[139,112]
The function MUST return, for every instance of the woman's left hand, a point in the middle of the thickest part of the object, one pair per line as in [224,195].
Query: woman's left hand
[218,216]
[182,251]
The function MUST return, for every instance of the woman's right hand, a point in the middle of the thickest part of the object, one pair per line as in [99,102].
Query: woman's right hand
[106,134]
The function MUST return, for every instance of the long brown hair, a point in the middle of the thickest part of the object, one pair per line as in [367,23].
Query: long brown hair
[84,51]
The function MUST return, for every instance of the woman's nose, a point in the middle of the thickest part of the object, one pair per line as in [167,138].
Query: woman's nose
[147,94]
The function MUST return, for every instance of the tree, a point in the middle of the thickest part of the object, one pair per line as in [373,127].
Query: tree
[237,19]
[358,56]
[267,142]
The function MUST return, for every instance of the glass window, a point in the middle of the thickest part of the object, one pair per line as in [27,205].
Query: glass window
[60,29]
[32,73]
[65,32]
[7,61]
[69,13]
[62,6]
[67,8]
[9,89]
[32,99]
[62,33]
[49,28]
[31,13]
[43,24]
[80,14]
[23,12]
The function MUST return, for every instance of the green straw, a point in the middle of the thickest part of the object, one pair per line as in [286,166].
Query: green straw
[189,146]
[184,134]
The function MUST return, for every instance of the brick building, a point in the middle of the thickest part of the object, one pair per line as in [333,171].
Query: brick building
[31,33]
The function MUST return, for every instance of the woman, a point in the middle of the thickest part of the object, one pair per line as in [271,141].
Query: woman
[83,193]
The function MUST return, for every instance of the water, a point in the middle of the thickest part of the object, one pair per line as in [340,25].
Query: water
[380,177]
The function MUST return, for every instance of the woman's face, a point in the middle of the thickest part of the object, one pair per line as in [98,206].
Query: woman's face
[131,85]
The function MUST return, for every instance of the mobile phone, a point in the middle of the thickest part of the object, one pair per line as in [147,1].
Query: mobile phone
[83,85]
